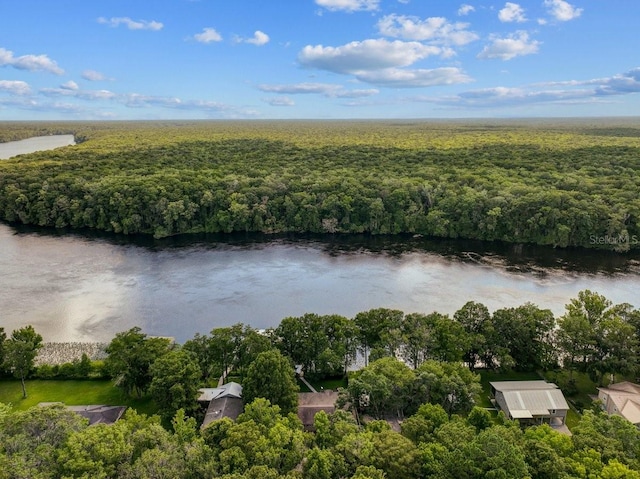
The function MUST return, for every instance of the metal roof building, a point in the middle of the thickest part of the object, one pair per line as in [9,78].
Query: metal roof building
[531,402]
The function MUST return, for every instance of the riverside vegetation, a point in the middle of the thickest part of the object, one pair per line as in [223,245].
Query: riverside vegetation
[435,390]
[550,183]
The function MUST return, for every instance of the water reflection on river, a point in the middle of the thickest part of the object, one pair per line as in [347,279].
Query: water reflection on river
[82,288]
[31,145]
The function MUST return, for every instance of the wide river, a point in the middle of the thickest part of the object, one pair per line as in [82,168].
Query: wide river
[31,145]
[75,287]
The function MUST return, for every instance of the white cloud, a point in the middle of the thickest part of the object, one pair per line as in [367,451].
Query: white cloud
[29,62]
[349,5]
[66,90]
[131,24]
[466,9]
[70,85]
[515,45]
[561,10]
[435,29]
[93,75]
[628,82]
[208,35]
[365,55]
[15,87]
[280,101]
[419,78]
[329,90]
[512,12]
[559,92]
[510,97]
[259,38]
[137,100]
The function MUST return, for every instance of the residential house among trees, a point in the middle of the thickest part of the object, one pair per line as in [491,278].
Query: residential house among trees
[622,399]
[223,401]
[531,402]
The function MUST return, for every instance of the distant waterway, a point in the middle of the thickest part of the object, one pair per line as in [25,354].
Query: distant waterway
[75,287]
[31,145]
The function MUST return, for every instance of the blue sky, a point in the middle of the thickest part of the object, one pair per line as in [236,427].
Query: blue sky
[325,59]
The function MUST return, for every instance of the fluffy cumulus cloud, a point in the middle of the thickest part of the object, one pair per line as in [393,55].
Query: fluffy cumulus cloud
[15,87]
[515,45]
[93,75]
[561,10]
[208,35]
[29,62]
[349,5]
[434,29]
[329,90]
[131,24]
[465,9]
[365,55]
[512,12]
[259,38]
[70,85]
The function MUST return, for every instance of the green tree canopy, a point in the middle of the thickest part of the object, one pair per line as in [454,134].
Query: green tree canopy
[130,356]
[272,377]
[20,351]
[175,382]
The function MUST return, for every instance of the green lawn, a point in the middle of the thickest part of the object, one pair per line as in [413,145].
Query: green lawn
[329,383]
[580,394]
[70,392]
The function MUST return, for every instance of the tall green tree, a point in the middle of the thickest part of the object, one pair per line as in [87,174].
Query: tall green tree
[527,335]
[20,352]
[451,385]
[130,356]
[475,319]
[379,329]
[381,388]
[271,376]
[175,382]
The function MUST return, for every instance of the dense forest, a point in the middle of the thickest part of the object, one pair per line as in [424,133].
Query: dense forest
[434,389]
[561,184]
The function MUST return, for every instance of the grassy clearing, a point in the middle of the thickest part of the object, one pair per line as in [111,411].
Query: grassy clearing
[580,392]
[70,392]
[329,383]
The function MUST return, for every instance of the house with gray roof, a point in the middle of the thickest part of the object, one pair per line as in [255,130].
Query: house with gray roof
[531,402]
[95,413]
[223,401]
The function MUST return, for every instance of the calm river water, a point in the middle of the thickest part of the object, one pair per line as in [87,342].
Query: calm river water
[75,287]
[31,145]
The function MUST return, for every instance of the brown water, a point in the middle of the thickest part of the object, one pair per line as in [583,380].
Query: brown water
[86,288]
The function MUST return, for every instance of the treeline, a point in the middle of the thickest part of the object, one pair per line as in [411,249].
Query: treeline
[526,185]
[433,388]
[264,443]
[593,336]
